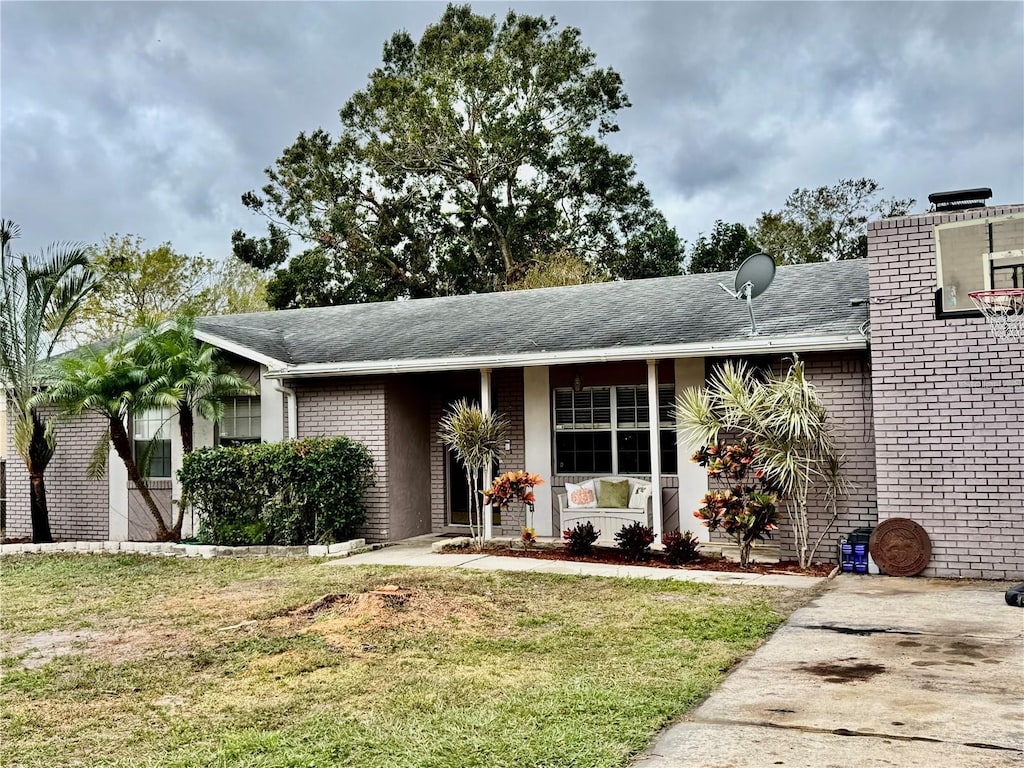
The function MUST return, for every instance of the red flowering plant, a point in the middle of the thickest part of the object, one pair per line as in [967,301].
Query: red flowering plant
[745,505]
[516,487]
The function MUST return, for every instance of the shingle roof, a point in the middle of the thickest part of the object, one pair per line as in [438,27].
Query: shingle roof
[804,301]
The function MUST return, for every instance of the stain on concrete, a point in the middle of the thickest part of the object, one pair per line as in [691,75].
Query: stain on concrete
[844,672]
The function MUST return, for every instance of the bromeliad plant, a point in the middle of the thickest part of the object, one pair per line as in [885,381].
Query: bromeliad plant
[744,507]
[512,487]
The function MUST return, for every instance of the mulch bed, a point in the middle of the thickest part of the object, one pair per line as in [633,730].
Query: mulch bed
[614,557]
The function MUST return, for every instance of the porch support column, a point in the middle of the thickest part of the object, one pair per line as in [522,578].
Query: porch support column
[485,406]
[693,479]
[537,423]
[652,417]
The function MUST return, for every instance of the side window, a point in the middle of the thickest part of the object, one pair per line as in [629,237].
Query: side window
[977,255]
[151,439]
[241,422]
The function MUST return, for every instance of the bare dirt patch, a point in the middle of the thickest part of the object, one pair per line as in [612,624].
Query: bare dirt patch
[114,646]
[352,621]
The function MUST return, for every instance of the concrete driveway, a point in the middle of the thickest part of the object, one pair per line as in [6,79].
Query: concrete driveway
[877,671]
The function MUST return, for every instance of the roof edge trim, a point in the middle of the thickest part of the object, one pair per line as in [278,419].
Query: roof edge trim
[237,349]
[756,345]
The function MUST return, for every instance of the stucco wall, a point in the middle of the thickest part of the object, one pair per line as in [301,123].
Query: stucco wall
[355,408]
[77,503]
[949,409]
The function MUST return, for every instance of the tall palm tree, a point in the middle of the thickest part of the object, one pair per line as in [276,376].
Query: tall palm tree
[38,299]
[175,360]
[112,383]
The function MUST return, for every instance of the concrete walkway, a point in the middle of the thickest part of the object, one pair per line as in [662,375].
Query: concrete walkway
[417,552]
[876,671]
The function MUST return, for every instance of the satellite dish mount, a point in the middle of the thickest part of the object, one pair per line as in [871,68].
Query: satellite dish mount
[752,279]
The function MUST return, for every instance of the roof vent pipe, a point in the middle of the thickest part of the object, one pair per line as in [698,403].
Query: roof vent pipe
[960,199]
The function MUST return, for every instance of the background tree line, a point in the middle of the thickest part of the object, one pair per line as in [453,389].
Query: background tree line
[475,160]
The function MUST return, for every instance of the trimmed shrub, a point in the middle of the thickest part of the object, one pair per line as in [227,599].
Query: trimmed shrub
[296,492]
[635,540]
[680,547]
[579,540]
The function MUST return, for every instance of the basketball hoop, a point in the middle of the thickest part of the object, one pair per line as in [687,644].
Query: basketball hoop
[1003,309]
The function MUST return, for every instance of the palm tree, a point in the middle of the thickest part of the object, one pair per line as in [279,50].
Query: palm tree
[112,383]
[38,299]
[174,360]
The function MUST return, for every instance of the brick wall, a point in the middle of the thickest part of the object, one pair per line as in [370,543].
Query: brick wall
[355,408]
[78,505]
[948,409]
[843,381]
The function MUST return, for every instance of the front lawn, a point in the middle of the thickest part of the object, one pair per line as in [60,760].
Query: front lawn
[144,661]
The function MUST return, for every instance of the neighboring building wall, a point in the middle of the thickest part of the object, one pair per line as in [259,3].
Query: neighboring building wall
[355,408]
[77,503]
[408,446]
[948,410]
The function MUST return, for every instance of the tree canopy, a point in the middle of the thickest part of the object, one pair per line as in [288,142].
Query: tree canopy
[723,250]
[472,155]
[140,285]
[825,223]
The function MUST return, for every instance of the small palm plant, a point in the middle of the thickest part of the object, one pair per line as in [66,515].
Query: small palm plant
[785,419]
[475,438]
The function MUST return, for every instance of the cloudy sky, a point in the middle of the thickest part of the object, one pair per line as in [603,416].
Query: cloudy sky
[153,118]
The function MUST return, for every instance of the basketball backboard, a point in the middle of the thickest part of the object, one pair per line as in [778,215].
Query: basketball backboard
[977,255]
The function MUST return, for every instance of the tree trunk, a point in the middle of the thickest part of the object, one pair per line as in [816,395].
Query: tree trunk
[186,425]
[39,454]
[123,447]
[40,514]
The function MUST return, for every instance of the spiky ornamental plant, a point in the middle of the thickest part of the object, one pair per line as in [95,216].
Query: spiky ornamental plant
[475,437]
[783,416]
[39,297]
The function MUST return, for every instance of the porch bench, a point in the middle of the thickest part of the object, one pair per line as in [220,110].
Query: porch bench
[608,520]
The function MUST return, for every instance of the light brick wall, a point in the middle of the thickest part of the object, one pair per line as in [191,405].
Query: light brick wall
[354,408]
[949,409]
[78,505]
[843,381]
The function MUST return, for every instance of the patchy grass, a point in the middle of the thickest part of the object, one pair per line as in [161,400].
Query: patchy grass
[142,661]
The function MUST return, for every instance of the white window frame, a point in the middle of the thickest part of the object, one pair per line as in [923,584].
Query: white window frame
[613,427]
[152,425]
[254,413]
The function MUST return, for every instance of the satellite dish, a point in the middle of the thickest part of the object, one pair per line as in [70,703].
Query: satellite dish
[752,279]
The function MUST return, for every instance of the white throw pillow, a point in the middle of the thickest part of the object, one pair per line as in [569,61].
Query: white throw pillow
[582,495]
[638,497]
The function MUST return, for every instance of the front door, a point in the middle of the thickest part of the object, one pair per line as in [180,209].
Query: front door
[458,492]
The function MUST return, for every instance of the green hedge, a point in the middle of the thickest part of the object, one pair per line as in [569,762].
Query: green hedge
[297,492]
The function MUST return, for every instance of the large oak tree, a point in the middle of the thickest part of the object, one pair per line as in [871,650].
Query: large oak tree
[471,157]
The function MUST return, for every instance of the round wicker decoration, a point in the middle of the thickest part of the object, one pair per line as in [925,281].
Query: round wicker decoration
[900,547]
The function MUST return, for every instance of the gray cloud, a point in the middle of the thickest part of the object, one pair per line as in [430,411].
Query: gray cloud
[153,118]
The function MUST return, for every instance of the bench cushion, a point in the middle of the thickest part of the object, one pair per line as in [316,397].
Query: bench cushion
[612,494]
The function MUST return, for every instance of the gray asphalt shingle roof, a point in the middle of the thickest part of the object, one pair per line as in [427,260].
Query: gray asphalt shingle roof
[807,300]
